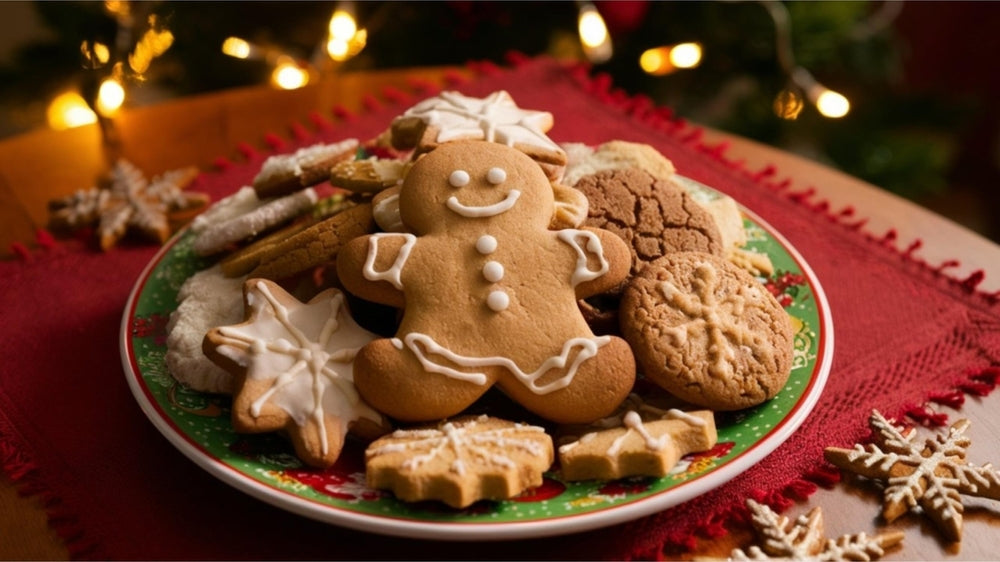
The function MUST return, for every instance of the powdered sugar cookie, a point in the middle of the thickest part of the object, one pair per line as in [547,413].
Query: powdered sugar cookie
[293,365]
[460,461]
[707,331]
[221,236]
[282,174]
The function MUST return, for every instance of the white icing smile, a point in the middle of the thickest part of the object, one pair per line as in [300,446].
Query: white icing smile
[485,210]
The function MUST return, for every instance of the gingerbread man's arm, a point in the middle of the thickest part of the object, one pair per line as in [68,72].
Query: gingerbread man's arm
[597,250]
[371,266]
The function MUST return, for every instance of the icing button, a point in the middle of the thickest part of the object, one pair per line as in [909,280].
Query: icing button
[493,271]
[496,176]
[486,244]
[458,178]
[498,301]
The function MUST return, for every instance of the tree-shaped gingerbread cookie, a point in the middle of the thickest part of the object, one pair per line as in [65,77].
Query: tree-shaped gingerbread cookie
[489,294]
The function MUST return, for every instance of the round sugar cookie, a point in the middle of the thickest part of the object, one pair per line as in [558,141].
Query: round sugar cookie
[707,331]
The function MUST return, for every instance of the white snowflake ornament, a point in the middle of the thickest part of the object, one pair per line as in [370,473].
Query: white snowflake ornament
[933,476]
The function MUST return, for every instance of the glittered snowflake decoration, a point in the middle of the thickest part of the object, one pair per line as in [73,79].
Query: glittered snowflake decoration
[460,461]
[803,539]
[130,203]
[933,476]
[294,365]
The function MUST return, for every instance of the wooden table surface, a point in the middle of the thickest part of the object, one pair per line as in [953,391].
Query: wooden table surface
[42,165]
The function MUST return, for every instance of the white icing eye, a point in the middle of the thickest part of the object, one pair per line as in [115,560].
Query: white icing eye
[496,176]
[493,271]
[498,301]
[486,244]
[458,178]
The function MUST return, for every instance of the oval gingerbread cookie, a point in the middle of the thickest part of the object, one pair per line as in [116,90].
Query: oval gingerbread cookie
[707,331]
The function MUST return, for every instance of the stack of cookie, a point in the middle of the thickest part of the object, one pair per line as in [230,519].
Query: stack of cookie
[598,299]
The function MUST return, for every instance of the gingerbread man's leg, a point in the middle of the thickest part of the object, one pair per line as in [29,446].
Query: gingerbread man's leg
[597,387]
[391,379]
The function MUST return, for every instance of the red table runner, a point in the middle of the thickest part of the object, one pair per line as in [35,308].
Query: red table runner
[70,431]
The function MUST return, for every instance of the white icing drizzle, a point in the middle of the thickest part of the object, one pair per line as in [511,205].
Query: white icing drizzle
[496,176]
[463,444]
[498,301]
[394,272]
[458,178]
[587,347]
[493,271]
[591,245]
[474,212]
[486,244]
[321,372]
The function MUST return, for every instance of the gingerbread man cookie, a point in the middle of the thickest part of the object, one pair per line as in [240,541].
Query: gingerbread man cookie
[489,293]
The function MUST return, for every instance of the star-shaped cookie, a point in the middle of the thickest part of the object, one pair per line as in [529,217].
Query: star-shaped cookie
[293,364]
[934,476]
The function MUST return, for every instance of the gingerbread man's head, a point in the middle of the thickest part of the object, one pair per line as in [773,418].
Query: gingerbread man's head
[465,183]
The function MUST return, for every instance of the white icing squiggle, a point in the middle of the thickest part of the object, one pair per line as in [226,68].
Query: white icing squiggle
[587,348]
[486,210]
[591,245]
[394,272]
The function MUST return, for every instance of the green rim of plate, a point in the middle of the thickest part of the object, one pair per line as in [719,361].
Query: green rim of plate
[265,466]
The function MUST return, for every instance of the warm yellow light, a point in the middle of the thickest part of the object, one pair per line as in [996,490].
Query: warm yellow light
[95,53]
[788,104]
[69,110]
[831,104]
[110,97]
[289,76]
[653,61]
[236,47]
[342,49]
[685,55]
[118,7]
[593,32]
[342,25]
[337,48]
[152,44]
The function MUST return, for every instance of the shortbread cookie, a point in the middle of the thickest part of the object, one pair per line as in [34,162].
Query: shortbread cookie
[614,155]
[315,245]
[654,216]
[370,175]
[282,174]
[707,331]
[489,293]
[223,235]
[639,440]
[206,299]
[452,116]
[293,364]
[460,461]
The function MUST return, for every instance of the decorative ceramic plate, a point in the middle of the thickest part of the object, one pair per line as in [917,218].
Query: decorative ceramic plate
[265,467]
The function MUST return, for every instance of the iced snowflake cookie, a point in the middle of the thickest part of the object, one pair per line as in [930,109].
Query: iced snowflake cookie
[293,365]
[460,461]
[452,116]
[707,331]
[933,477]
[638,440]
[489,293]
[282,174]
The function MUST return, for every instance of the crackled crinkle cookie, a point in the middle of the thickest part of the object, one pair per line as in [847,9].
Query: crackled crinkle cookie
[460,461]
[707,331]
[205,300]
[293,365]
[489,294]
[223,235]
[638,440]
[282,174]
[582,160]
[452,116]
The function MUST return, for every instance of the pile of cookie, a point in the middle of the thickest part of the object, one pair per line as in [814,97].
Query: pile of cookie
[463,294]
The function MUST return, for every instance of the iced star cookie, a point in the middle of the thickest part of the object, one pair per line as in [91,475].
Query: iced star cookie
[489,294]
[638,440]
[707,331]
[460,461]
[282,174]
[293,365]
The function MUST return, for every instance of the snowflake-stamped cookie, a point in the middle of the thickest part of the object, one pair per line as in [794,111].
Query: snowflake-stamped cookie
[460,461]
[933,476]
[293,363]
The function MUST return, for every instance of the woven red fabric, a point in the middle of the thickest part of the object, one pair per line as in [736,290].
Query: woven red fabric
[71,432]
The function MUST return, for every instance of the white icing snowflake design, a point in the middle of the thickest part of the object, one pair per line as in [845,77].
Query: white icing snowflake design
[934,476]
